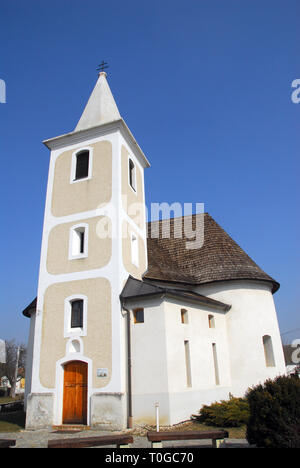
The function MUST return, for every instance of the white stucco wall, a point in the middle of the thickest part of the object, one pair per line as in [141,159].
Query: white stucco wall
[159,364]
[149,364]
[252,315]
[186,400]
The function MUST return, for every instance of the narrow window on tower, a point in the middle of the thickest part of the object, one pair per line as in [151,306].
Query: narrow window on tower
[82,165]
[77,313]
[78,242]
[132,175]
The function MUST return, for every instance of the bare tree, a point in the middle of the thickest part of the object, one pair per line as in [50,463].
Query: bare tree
[14,368]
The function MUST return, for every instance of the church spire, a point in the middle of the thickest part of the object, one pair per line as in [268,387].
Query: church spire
[101,107]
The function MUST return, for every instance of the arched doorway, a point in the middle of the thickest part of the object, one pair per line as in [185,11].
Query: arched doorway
[75,393]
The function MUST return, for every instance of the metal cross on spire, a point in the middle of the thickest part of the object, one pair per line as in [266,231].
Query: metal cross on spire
[102,66]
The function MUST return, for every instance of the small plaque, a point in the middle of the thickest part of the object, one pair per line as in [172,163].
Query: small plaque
[102,372]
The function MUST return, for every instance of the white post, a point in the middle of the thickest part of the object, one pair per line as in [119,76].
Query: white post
[157,416]
[16,370]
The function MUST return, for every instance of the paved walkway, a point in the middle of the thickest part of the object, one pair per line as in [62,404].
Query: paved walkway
[39,439]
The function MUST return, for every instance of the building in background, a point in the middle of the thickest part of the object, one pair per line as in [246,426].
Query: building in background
[2,352]
[291,356]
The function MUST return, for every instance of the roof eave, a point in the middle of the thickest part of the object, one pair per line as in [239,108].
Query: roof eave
[81,135]
[161,295]
[275,284]
[206,302]
[31,308]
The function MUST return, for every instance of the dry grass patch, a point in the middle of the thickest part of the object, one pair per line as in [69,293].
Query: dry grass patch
[234,432]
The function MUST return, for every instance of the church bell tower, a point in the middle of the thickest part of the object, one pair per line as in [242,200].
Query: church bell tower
[94,236]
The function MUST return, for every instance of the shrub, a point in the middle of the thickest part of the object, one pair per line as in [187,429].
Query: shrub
[275,413]
[226,413]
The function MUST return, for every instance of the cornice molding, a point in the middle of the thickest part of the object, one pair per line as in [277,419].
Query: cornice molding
[74,138]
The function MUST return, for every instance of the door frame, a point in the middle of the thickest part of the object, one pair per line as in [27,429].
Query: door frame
[59,387]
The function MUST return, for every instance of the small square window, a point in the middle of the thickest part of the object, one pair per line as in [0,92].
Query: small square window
[138,315]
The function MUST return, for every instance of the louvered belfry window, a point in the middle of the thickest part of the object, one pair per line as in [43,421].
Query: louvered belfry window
[77,313]
[82,165]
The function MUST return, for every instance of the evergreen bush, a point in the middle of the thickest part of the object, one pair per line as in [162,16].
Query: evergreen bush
[274,420]
[227,413]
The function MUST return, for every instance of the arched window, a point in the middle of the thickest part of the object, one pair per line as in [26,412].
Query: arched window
[82,165]
[78,241]
[132,178]
[75,316]
[268,350]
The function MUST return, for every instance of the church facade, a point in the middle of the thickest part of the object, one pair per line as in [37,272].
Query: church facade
[125,320]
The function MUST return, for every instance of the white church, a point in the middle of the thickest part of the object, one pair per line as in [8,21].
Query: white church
[125,320]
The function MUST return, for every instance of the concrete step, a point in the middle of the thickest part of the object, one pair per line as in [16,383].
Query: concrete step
[70,428]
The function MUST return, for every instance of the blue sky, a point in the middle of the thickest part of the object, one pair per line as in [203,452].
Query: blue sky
[205,87]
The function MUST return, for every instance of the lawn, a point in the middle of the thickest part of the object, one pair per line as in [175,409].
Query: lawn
[8,399]
[13,421]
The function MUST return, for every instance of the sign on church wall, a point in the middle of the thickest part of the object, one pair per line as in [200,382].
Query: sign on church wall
[103,372]
[2,352]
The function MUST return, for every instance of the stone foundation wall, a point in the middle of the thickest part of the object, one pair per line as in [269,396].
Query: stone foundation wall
[108,411]
[39,413]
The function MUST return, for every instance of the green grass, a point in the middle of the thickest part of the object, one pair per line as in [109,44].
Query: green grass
[12,422]
[8,399]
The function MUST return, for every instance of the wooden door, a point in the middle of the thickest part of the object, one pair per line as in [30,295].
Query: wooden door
[75,393]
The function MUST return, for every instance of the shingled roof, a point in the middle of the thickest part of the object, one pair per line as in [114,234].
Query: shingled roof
[220,258]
